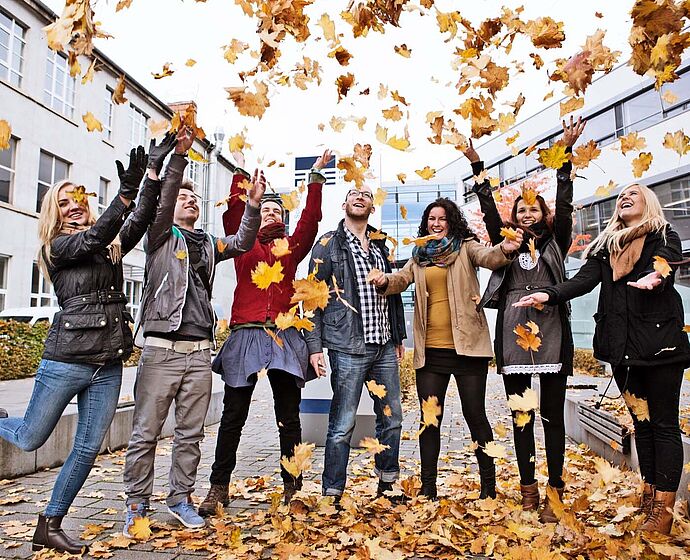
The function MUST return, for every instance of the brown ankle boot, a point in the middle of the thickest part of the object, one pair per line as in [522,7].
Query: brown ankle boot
[530,496]
[49,534]
[217,495]
[547,515]
[647,498]
[659,518]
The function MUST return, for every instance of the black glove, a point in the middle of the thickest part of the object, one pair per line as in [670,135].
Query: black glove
[130,179]
[158,153]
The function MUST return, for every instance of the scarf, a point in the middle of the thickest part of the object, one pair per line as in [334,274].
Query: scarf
[541,234]
[623,261]
[270,232]
[437,252]
[114,249]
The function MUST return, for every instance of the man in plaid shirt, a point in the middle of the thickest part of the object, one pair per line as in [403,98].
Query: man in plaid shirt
[363,332]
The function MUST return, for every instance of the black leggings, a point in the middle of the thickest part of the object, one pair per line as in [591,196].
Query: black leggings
[551,404]
[286,398]
[472,389]
[657,440]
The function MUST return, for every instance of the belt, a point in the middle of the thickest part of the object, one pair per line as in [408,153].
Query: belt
[528,287]
[104,297]
[179,346]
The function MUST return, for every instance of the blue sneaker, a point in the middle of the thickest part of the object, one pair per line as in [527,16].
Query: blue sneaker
[187,515]
[133,512]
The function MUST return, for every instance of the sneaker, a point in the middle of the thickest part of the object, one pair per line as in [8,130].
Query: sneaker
[3,413]
[133,512]
[186,514]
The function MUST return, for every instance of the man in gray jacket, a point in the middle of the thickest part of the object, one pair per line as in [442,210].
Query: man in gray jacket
[177,325]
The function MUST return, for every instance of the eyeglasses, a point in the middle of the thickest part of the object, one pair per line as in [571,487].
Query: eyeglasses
[364,194]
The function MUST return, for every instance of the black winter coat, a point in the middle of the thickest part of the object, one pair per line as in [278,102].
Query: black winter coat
[553,256]
[93,323]
[338,327]
[633,327]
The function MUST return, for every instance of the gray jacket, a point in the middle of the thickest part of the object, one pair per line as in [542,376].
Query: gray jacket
[166,274]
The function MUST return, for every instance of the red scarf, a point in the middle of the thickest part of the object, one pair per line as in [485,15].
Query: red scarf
[270,232]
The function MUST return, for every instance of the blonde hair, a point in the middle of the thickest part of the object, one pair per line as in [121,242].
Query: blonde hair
[50,223]
[615,234]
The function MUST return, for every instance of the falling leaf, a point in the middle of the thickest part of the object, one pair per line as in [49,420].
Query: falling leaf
[387,411]
[264,274]
[190,62]
[79,195]
[380,197]
[312,293]
[141,528]
[250,104]
[392,114]
[495,450]
[343,83]
[196,156]
[403,212]
[585,153]
[398,143]
[431,410]
[341,54]
[669,97]
[554,157]
[677,141]
[92,123]
[661,266]
[5,134]
[528,337]
[638,406]
[164,73]
[274,336]
[376,389]
[501,430]
[88,75]
[419,241]
[529,400]
[181,254]
[290,200]
[300,461]
[328,27]
[522,419]
[221,245]
[632,142]
[118,95]
[605,190]
[532,249]
[571,104]
[403,50]
[324,240]
[281,247]
[509,233]
[158,128]
[529,196]
[642,163]
[373,446]
[545,32]
[426,173]
[234,49]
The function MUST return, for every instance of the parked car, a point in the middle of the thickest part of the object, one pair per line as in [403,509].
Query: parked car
[31,315]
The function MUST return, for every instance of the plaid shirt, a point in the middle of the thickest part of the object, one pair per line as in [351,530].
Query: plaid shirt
[373,306]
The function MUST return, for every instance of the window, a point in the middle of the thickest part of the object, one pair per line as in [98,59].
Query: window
[513,168]
[51,169]
[4,265]
[681,89]
[11,50]
[133,293]
[642,111]
[601,128]
[102,195]
[108,108]
[7,170]
[58,90]
[680,198]
[41,289]
[138,129]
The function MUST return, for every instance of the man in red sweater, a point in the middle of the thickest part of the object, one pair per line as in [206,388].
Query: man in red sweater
[252,346]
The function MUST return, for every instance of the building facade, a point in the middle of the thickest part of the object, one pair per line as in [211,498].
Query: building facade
[44,106]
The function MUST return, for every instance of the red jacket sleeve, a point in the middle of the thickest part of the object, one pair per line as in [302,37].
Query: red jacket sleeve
[308,225]
[232,217]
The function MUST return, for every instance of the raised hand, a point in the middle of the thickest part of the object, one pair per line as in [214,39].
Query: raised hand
[185,139]
[470,153]
[649,282]
[158,152]
[130,178]
[537,298]
[572,131]
[509,245]
[323,159]
[258,188]
[239,158]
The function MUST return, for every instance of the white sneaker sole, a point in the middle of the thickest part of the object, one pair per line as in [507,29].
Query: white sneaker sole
[185,523]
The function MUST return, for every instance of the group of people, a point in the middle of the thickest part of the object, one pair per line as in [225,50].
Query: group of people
[638,331]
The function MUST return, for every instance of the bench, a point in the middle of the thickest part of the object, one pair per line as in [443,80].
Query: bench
[604,426]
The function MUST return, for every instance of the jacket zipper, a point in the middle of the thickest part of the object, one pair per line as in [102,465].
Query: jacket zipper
[165,279]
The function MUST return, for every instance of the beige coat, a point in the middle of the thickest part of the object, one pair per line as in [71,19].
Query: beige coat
[470,330]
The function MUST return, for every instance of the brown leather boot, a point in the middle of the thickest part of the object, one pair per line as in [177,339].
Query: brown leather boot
[530,496]
[647,498]
[659,518]
[217,495]
[547,515]
[49,534]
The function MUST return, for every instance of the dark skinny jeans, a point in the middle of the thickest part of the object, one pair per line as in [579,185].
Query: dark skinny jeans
[286,400]
[551,404]
[472,389]
[657,440]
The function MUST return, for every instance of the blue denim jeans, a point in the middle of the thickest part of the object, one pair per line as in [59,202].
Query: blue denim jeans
[348,375]
[97,389]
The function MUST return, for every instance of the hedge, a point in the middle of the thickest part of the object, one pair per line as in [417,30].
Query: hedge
[21,347]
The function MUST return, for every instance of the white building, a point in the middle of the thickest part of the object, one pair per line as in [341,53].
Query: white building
[49,142]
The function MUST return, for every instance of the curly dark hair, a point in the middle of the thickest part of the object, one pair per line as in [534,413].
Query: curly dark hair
[457,224]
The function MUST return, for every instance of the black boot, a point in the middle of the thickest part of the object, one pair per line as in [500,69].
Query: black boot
[49,534]
[3,413]
[428,486]
[487,477]
[384,487]
[289,489]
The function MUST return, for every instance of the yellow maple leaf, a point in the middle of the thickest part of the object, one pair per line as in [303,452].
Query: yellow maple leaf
[376,389]
[91,122]
[5,133]
[419,241]
[290,200]
[585,153]
[501,430]
[196,156]
[300,460]
[141,528]
[264,274]
[181,254]
[164,73]
[605,190]
[158,127]
[495,450]
[238,142]
[522,419]
[431,410]
[392,114]
[401,177]
[398,143]
[632,143]
[190,62]
[312,293]
[426,173]
[387,411]
[281,247]
[554,157]
[509,233]
[529,196]
[79,195]
[638,406]
[641,163]
[677,141]
[661,266]
[234,49]
[373,446]
[571,104]
[250,104]
[528,337]
[285,320]
[380,197]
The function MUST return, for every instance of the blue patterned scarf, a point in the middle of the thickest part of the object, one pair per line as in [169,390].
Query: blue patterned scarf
[437,252]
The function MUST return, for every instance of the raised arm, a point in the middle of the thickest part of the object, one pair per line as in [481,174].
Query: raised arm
[492,219]
[395,282]
[494,257]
